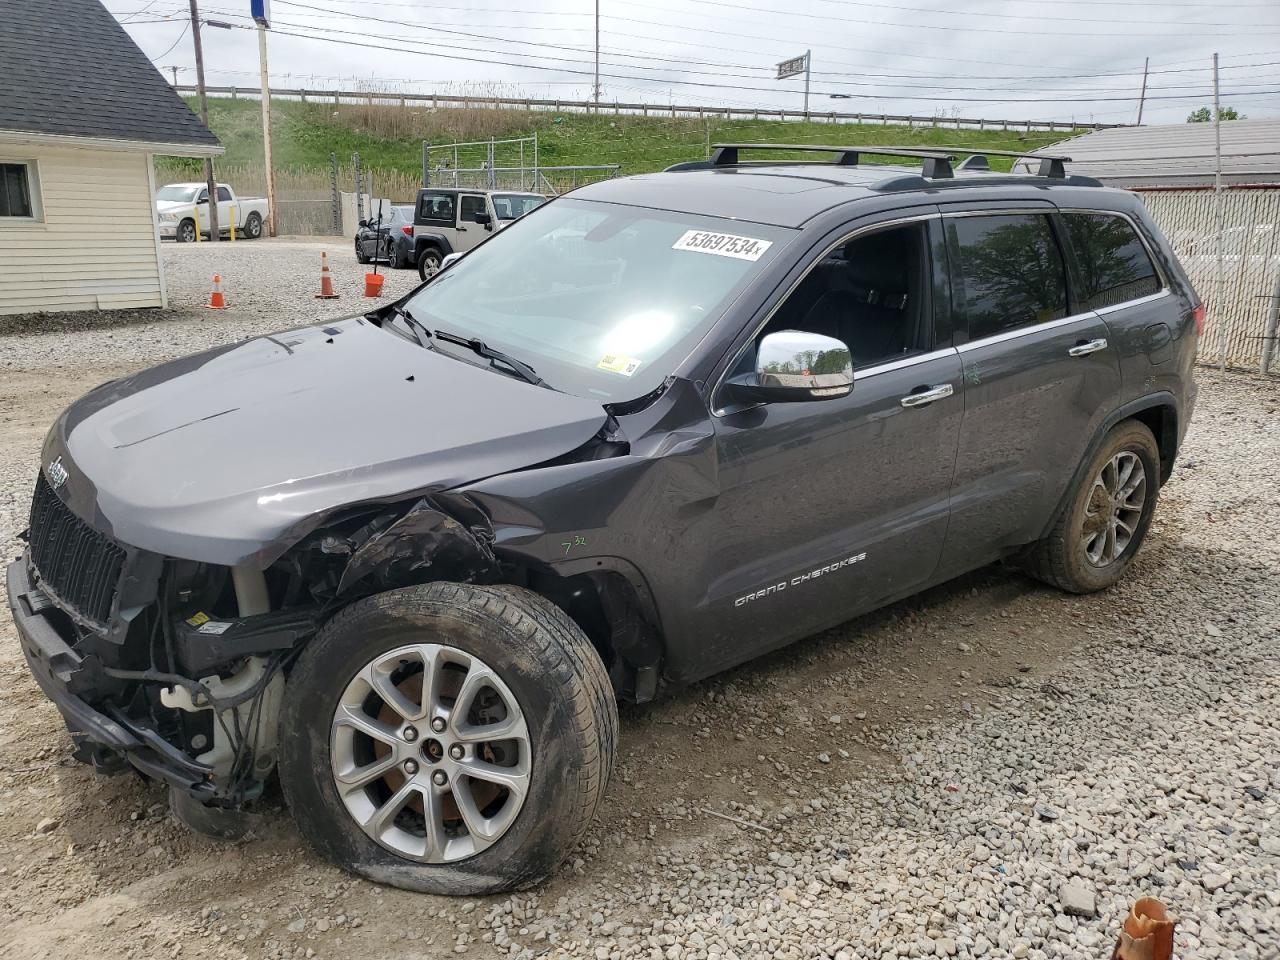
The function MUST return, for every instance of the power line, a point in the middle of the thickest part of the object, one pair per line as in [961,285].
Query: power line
[944,12]
[924,25]
[764,71]
[699,83]
[185,27]
[894,87]
[630,36]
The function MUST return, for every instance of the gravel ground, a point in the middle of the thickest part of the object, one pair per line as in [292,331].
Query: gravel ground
[990,769]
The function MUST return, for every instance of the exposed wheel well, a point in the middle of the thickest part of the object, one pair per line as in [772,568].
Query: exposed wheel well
[611,612]
[1162,421]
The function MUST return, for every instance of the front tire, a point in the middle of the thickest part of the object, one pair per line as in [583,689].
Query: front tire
[360,257]
[448,738]
[1106,520]
[186,232]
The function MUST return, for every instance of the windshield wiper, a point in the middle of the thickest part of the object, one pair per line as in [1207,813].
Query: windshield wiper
[416,326]
[479,347]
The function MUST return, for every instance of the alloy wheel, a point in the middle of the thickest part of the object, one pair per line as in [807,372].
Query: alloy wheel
[1114,509]
[430,753]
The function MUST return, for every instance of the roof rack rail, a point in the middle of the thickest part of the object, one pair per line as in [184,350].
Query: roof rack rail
[937,164]
[1050,166]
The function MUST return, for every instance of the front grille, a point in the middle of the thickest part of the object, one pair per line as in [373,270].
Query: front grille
[80,565]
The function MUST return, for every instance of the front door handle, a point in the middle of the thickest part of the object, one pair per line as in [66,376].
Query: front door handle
[1088,347]
[928,396]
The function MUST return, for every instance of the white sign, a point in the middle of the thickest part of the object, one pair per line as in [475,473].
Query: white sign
[722,245]
[789,68]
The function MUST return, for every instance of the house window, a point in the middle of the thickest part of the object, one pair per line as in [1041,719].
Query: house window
[15,190]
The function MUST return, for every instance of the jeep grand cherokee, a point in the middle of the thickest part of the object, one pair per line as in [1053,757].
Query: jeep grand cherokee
[409,560]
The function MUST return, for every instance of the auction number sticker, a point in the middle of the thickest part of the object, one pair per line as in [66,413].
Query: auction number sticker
[722,244]
[616,363]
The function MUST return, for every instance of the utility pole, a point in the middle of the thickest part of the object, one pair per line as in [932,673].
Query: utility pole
[175,75]
[1218,217]
[204,117]
[266,127]
[595,90]
[1142,98]
[808,56]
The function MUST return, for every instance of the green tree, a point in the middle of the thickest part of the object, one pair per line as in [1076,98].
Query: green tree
[1204,115]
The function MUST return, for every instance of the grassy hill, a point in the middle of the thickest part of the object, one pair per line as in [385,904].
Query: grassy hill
[389,138]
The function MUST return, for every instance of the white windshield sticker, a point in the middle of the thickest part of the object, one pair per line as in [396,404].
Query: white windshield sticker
[722,244]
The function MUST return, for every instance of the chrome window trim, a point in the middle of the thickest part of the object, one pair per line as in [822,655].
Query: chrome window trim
[1149,298]
[719,411]
[1045,211]
[1026,331]
[903,363]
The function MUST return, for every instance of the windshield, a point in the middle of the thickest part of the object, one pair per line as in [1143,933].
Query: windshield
[178,193]
[510,206]
[602,300]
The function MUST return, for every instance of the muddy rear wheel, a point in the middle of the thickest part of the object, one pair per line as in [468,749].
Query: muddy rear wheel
[448,738]
[1106,519]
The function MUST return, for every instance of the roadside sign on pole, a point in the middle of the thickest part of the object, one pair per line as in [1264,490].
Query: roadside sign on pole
[793,67]
[260,10]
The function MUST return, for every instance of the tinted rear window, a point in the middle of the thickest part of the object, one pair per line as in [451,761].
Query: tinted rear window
[1114,264]
[1007,271]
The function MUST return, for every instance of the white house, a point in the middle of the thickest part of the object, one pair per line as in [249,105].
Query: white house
[82,114]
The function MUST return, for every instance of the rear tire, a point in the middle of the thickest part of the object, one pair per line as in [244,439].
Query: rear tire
[253,227]
[1106,519]
[429,263]
[563,748]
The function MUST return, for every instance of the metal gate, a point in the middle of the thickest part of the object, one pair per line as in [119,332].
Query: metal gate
[1240,327]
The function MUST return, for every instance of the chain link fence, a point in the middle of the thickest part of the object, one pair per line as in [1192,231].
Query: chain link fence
[1240,328]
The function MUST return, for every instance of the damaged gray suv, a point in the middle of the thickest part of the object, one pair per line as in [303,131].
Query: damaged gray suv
[407,562]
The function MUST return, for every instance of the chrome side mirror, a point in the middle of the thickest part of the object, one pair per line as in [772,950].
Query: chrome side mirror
[792,365]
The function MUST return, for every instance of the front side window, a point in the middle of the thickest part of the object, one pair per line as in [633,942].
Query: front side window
[603,300]
[1114,264]
[15,190]
[512,206]
[1007,272]
[868,292]
[471,205]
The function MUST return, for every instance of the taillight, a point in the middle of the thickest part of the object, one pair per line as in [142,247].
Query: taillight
[407,230]
[1198,315]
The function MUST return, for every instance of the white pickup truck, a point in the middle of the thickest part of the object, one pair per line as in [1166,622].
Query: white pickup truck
[183,211]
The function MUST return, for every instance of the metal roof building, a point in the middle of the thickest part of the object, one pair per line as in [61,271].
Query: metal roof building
[1176,155]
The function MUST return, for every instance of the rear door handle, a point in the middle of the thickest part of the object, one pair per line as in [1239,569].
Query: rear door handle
[1091,346]
[928,396]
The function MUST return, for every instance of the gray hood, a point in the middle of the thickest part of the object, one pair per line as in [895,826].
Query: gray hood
[232,455]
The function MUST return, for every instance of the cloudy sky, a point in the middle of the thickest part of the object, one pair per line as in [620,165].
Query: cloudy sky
[1030,59]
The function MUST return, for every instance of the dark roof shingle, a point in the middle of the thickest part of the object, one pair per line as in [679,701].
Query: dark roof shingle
[68,68]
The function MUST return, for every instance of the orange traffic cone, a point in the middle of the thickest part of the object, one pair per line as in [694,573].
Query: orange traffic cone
[326,281]
[216,301]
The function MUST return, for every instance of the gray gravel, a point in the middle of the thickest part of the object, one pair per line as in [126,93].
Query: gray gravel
[993,769]
[268,285]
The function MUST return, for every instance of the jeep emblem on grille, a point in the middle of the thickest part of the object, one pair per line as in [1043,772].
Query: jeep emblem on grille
[57,473]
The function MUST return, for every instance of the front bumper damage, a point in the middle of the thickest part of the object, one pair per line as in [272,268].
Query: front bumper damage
[103,735]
